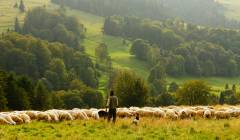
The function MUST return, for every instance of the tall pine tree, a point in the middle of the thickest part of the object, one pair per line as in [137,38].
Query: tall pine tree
[22,6]
[3,100]
[42,99]
[17,27]
[16,95]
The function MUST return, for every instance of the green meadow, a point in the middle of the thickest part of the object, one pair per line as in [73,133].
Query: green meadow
[232,8]
[123,59]
[119,52]
[148,129]
[8,13]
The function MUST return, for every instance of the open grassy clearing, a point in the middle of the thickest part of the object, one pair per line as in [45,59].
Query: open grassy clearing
[120,53]
[217,83]
[8,13]
[232,8]
[149,128]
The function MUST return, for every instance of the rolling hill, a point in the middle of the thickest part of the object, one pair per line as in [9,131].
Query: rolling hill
[8,13]
[232,8]
[119,53]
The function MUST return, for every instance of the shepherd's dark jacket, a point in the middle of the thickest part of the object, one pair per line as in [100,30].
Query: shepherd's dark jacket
[112,102]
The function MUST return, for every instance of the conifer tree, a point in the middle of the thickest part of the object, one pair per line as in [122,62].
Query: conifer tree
[17,27]
[22,6]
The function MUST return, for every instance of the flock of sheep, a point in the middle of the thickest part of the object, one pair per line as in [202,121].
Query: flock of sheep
[171,112]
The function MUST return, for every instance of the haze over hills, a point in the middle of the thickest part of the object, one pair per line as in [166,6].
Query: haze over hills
[207,12]
[92,42]
[231,8]
[120,54]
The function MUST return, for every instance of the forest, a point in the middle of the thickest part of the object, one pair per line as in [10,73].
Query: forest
[44,63]
[181,48]
[40,73]
[202,12]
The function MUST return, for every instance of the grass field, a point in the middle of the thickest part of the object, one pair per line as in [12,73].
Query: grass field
[120,53]
[91,130]
[8,13]
[232,8]
[148,129]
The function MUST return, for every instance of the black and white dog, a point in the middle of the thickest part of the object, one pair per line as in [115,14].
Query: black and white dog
[103,114]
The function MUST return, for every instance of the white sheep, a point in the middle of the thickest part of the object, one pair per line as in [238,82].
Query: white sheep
[16,118]
[24,117]
[145,113]
[159,113]
[88,112]
[44,116]
[32,114]
[6,119]
[95,115]
[184,113]
[64,115]
[53,115]
[124,113]
[171,114]
[207,114]
[80,114]
[200,113]
[222,115]
[84,115]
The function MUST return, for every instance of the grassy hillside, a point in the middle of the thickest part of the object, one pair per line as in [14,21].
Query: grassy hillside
[8,13]
[232,8]
[148,129]
[119,52]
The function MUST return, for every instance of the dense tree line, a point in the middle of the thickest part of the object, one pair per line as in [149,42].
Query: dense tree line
[56,75]
[19,92]
[207,12]
[55,62]
[132,90]
[53,26]
[179,47]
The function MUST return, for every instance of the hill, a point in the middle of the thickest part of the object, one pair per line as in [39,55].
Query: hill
[232,8]
[8,13]
[119,52]
[206,12]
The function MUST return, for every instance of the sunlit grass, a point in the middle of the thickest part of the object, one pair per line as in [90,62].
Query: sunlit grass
[232,8]
[149,128]
[8,13]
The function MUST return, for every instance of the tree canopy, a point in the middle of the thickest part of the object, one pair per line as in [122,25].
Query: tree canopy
[54,26]
[207,12]
[38,59]
[194,93]
[184,49]
[131,89]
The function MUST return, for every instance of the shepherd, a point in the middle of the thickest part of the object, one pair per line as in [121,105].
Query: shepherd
[112,105]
